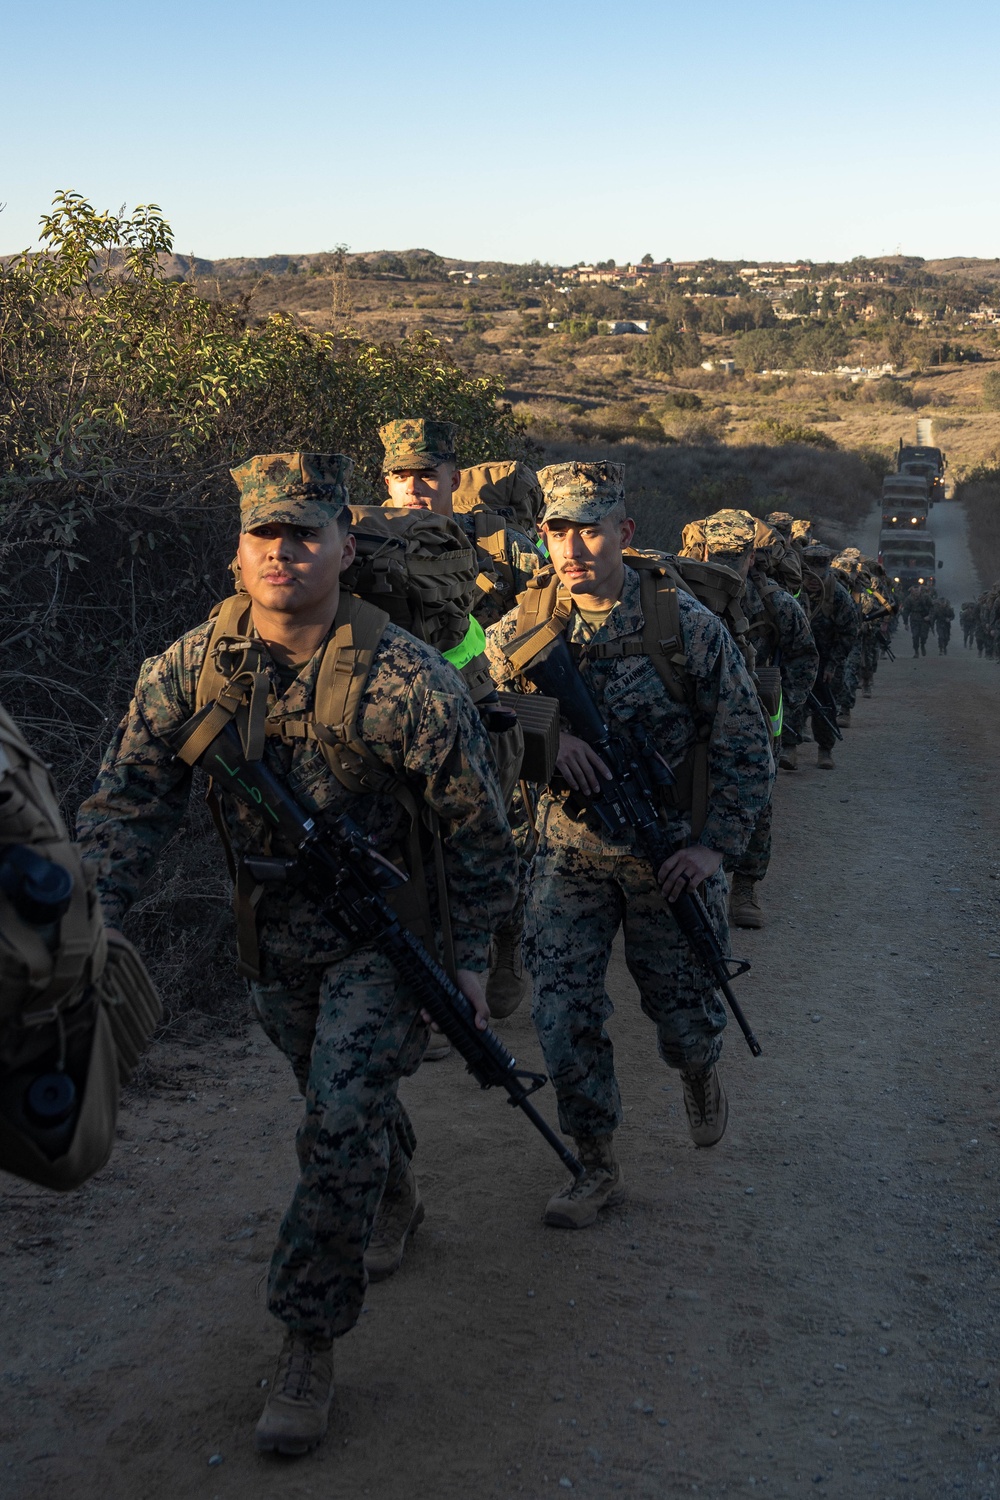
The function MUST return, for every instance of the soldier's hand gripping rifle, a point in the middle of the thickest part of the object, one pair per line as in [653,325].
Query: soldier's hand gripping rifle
[822,711]
[348,877]
[628,800]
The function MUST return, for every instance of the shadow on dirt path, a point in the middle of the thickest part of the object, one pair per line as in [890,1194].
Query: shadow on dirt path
[809,1308]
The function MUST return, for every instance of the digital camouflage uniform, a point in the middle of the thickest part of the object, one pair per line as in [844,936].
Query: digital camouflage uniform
[778,634]
[344,1021]
[781,636]
[415,443]
[967,619]
[921,602]
[853,572]
[584,887]
[835,622]
[942,617]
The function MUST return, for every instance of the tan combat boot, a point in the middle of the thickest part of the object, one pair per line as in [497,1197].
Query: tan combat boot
[297,1410]
[788,758]
[706,1104]
[398,1215]
[844,719]
[577,1204]
[509,982]
[744,907]
[438,1046]
[824,759]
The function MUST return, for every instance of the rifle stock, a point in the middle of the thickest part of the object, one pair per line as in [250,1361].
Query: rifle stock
[627,801]
[348,877]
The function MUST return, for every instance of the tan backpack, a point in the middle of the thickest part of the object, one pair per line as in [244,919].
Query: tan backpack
[508,488]
[77,1007]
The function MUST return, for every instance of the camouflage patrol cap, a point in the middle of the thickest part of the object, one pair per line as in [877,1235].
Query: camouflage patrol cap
[733,532]
[817,557]
[781,520]
[848,561]
[581,492]
[417,443]
[299,489]
[801,532]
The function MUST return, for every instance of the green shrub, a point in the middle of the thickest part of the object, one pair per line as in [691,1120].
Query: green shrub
[769,430]
[991,390]
[124,400]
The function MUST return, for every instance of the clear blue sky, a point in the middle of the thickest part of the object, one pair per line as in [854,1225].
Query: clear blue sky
[562,131]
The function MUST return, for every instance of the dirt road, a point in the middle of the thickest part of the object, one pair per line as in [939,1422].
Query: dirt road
[808,1309]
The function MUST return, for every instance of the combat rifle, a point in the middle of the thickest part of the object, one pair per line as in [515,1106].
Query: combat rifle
[348,877]
[822,711]
[886,649]
[628,800]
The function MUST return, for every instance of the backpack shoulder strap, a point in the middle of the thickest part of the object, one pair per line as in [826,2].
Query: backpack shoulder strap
[342,678]
[491,535]
[543,611]
[230,619]
[661,631]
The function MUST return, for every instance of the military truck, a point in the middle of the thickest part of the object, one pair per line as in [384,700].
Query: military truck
[905,501]
[923,463]
[908,557]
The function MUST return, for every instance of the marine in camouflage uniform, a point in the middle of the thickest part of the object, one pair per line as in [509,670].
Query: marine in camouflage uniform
[967,620]
[853,571]
[921,610]
[347,1025]
[421,472]
[834,621]
[876,623]
[584,885]
[780,636]
[981,628]
[941,619]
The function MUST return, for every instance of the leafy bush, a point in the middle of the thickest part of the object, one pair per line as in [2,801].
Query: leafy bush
[769,430]
[991,390]
[979,492]
[616,422]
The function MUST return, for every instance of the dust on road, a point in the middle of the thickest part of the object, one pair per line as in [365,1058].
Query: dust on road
[809,1308]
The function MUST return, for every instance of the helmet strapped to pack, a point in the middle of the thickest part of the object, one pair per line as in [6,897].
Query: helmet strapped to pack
[77,1007]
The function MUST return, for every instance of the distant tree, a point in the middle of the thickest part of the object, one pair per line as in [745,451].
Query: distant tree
[647,260]
[668,348]
[763,349]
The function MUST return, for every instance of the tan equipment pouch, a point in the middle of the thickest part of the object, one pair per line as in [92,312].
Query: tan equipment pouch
[62,978]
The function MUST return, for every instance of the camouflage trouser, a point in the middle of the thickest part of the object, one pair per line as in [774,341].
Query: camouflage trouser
[943,628]
[919,630]
[350,1032]
[869,657]
[579,900]
[757,855]
[847,695]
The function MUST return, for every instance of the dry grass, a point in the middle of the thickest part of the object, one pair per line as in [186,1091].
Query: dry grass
[670,485]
